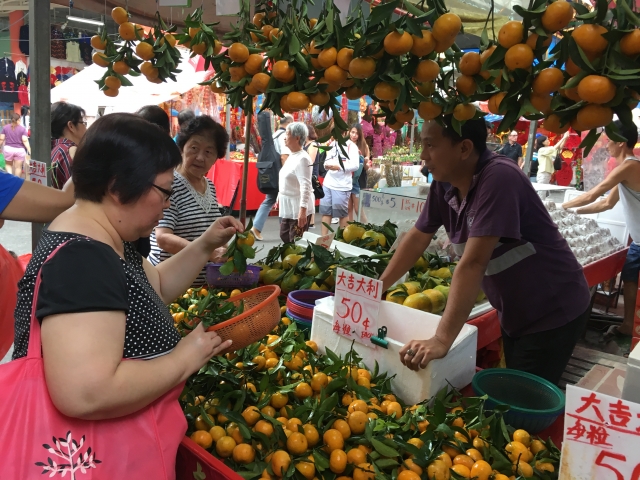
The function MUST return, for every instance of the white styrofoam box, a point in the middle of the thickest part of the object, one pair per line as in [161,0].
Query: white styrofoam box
[612,219]
[403,325]
[631,388]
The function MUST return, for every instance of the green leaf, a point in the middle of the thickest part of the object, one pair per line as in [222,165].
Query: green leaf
[633,18]
[381,13]
[383,449]
[322,463]
[248,251]
[589,141]
[386,463]
[240,262]
[602,7]
[227,268]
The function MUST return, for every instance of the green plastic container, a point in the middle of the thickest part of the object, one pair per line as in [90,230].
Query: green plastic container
[534,402]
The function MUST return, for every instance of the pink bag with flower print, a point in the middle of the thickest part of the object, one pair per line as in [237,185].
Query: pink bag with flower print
[37,440]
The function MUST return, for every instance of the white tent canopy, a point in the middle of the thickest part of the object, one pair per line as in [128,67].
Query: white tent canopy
[82,90]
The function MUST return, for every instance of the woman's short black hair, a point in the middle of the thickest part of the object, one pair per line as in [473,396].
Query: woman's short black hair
[61,114]
[121,153]
[207,127]
[540,142]
[474,130]
[185,116]
[157,116]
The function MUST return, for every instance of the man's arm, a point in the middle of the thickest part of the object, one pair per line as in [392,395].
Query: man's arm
[465,285]
[520,162]
[37,203]
[617,175]
[606,204]
[412,246]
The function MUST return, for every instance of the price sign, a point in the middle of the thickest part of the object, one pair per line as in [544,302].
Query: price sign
[601,437]
[38,172]
[325,240]
[357,303]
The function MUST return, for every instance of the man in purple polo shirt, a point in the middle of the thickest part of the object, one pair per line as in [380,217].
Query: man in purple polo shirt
[509,247]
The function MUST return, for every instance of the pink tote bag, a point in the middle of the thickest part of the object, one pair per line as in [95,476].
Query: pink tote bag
[37,441]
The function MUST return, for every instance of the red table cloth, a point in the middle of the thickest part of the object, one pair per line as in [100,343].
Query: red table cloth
[226,175]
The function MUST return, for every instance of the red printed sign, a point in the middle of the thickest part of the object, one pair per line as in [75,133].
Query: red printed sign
[38,172]
[357,303]
[325,240]
[601,437]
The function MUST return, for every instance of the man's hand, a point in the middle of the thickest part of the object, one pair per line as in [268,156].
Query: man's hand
[418,353]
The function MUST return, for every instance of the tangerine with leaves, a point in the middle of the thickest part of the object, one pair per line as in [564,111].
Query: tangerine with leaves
[243,453]
[283,72]
[297,443]
[297,101]
[511,34]
[464,111]
[532,41]
[429,110]
[344,57]
[596,89]
[336,75]
[311,434]
[396,43]
[145,51]
[362,68]
[225,446]
[629,44]
[320,99]
[594,116]
[353,93]
[333,439]
[119,15]
[98,43]
[338,461]
[364,471]
[328,57]
[238,52]
[121,67]
[100,59]
[127,31]
[423,46]
[470,64]
[557,16]
[202,438]
[466,85]
[438,470]
[260,81]
[258,19]
[253,64]
[280,461]
[446,27]
[548,81]
[385,91]
[264,427]
[113,82]
[355,456]
[519,56]
[481,470]
[237,73]
[542,103]
[307,469]
[589,38]
[426,71]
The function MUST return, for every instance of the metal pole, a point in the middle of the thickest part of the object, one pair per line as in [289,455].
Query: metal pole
[40,49]
[245,169]
[227,122]
[533,128]
[413,127]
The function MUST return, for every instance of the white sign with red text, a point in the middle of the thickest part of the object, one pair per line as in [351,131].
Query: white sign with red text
[325,240]
[356,307]
[601,437]
[38,172]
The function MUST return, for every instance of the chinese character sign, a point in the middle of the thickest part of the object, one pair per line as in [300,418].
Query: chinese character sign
[601,437]
[325,240]
[357,303]
[38,172]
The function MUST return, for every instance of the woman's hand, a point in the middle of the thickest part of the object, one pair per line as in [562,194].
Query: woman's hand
[220,232]
[418,353]
[199,346]
[218,255]
[302,218]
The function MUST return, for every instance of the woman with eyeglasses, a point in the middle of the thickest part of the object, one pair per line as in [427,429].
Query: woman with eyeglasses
[109,345]
[68,126]
[194,205]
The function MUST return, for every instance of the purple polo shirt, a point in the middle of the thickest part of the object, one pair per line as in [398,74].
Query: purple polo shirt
[533,279]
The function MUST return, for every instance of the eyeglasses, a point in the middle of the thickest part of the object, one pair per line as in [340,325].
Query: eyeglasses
[167,193]
[84,122]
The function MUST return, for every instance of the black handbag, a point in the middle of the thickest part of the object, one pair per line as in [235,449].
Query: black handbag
[318,191]
[557,163]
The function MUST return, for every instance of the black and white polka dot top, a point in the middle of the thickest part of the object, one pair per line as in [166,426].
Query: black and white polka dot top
[86,275]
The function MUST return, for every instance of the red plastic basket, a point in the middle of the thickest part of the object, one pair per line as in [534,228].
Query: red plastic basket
[190,455]
[302,302]
[261,314]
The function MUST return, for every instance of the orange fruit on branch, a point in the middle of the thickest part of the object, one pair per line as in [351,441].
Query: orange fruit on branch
[100,59]
[629,44]
[426,89]
[464,111]
[333,439]
[484,56]
[238,52]
[237,73]
[353,93]
[307,469]
[243,453]
[426,71]
[193,31]
[594,116]
[202,438]
[446,27]
[298,101]
[429,110]
[548,81]
[338,461]
[495,101]
[328,57]
[532,41]
[335,74]
[98,43]
[280,462]
[260,82]
[121,67]
[274,34]
[119,15]
[149,71]
[466,85]
[344,57]
[283,72]
[364,471]
[113,82]
[596,89]
[396,43]
[519,56]
[199,48]
[589,37]
[258,19]
[557,16]
[423,46]
[541,102]
[511,34]
[145,51]
[297,443]
[385,91]
[470,64]
[320,99]
[253,64]
[225,446]
[127,31]
[362,68]
[331,87]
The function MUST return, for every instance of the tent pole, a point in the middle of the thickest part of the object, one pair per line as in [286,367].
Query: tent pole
[227,121]
[245,170]
[40,41]
[533,128]
[413,127]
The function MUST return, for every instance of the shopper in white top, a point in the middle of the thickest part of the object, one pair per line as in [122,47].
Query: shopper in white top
[295,191]
[338,183]
[623,184]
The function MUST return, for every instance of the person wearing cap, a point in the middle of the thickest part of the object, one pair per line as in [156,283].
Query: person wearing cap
[512,149]
[508,246]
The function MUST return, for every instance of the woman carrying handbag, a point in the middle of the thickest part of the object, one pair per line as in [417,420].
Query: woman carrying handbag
[92,391]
